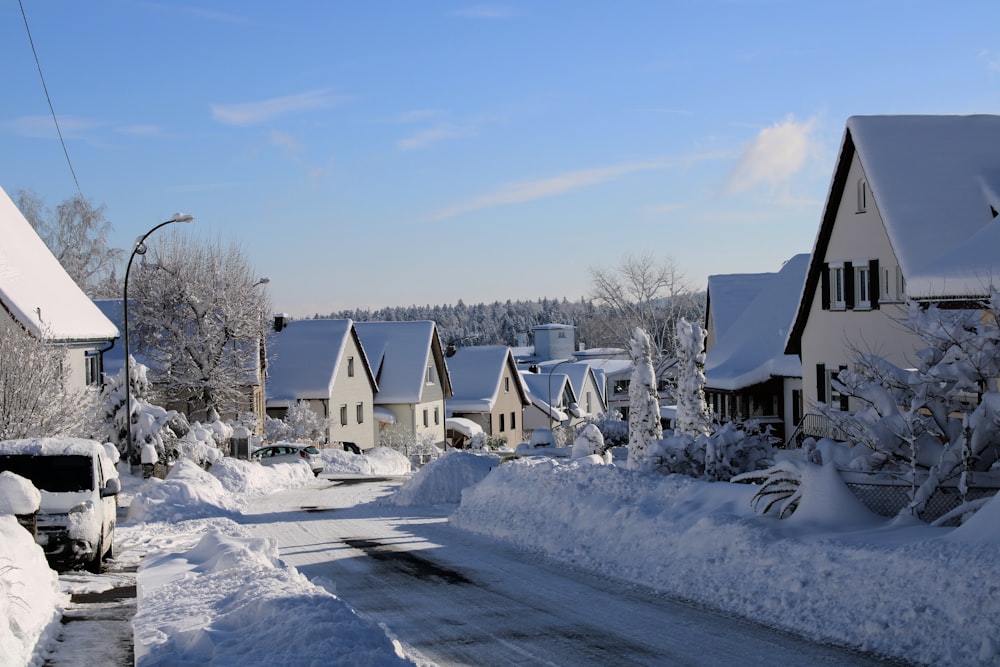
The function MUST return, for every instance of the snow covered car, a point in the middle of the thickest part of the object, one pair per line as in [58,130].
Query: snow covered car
[78,485]
[289,452]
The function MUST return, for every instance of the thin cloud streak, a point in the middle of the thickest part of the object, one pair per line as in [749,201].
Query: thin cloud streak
[432,135]
[253,113]
[518,193]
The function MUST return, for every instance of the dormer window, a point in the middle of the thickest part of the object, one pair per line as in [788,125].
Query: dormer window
[862,196]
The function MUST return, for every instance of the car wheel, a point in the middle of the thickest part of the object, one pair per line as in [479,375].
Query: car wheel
[110,553]
[94,564]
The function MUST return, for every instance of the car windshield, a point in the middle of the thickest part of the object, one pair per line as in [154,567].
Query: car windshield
[311,449]
[52,473]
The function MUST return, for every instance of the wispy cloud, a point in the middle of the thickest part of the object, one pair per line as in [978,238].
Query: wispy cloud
[991,59]
[486,11]
[42,127]
[776,154]
[252,113]
[141,130]
[429,136]
[517,193]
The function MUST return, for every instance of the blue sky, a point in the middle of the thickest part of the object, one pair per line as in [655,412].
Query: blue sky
[368,154]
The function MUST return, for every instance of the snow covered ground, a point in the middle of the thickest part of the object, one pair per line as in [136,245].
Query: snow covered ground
[832,572]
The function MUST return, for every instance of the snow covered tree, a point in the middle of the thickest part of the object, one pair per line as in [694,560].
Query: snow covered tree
[304,425]
[641,292]
[589,442]
[944,415]
[644,426]
[77,234]
[693,416]
[35,396]
[199,318]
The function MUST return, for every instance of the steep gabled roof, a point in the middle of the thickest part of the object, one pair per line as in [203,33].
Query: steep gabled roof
[936,183]
[475,377]
[539,387]
[303,359]
[752,349]
[36,290]
[399,353]
[728,295]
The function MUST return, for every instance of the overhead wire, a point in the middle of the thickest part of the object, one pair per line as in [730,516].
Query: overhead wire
[55,120]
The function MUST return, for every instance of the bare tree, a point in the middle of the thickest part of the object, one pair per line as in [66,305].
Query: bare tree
[35,398]
[199,320]
[77,234]
[645,293]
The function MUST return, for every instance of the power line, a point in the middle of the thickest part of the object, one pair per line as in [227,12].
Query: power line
[49,99]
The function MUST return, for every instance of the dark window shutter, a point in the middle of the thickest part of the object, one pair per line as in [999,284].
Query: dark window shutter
[875,278]
[849,285]
[820,383]
[843,397]
[825,287]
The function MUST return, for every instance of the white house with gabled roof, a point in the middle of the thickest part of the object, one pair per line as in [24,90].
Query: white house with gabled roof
[412,378]
[323,363]
[748,375]
[488,391]
[38,295]
[911,215]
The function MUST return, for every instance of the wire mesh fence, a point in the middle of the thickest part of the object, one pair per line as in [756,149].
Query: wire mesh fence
[887,496]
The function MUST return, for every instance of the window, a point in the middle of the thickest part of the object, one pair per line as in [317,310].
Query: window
[562,334]
[837,300]
[513,421]
[825,391]
[589,402]
[426,421]
[350,367]
[862,288]
[437,416]
[862,196]
[93,369]
[360,412]
[506,386]
[343,415]
[621,386]
[431,375]
[501,421]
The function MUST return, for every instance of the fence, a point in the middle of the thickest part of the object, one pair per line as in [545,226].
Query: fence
[887,496]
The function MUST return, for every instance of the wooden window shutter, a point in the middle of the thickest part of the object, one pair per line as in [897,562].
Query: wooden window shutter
[825,287]
[848,286]
[820,383]
[844,398]
[874,288]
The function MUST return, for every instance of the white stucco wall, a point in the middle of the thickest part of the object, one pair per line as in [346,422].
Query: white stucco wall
[351,391]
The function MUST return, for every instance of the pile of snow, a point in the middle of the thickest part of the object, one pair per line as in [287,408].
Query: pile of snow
[442,480]
[18,495]
[191,492]
[230,600]
[896,587]
[377,461]
[30,599]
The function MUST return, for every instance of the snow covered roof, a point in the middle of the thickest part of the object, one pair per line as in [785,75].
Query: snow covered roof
[466,427]
[476,373]
[304,357]
[399,353]
[577,373]
[36,290]
[935,180]
[544,390]
[751,349]
[728,296]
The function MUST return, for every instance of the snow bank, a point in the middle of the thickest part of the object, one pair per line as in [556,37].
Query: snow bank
[230,600]
[191,492]
[443,479]
[888,586]
[18,495]
[30,599]
[377,461]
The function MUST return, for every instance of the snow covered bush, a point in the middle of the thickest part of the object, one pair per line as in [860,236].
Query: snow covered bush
[644,426]
[780,490]
[590,442]
[730,450]
[613,428]
[941,420]
[693,416]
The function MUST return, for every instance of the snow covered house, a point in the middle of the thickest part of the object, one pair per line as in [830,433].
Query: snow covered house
[911,214]
[323,363]
[587,384]
[748,375]
[38,295]
[553,402]
[412,378]
[488,391]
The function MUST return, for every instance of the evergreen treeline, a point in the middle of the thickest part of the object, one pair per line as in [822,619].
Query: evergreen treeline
[484,323]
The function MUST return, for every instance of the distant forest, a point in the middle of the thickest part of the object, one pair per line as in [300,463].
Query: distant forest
[499,323]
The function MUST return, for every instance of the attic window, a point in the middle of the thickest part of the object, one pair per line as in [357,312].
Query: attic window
[430,376]
[350,367]
[862,196]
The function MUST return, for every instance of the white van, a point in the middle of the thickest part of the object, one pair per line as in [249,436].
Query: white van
[78,484]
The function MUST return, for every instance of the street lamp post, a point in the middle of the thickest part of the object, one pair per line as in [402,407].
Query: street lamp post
[551,371]
[138,248]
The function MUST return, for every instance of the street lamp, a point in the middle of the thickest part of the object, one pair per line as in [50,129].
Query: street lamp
[551,371]
[138,248]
